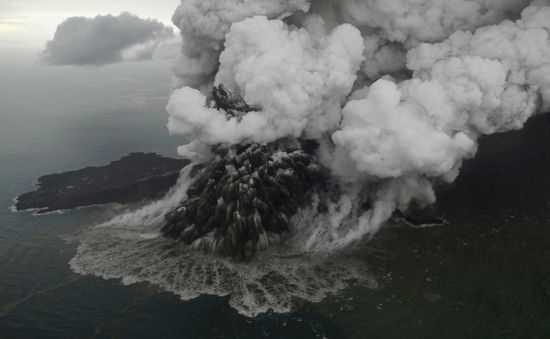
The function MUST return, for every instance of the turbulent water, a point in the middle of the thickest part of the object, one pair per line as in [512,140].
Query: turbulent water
[130,247]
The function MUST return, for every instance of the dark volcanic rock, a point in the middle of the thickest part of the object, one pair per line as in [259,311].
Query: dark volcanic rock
[234,106]
[246,193]
[135,177]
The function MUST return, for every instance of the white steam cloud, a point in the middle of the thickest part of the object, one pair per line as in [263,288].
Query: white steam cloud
[108,39]
[261,63]
[396,92]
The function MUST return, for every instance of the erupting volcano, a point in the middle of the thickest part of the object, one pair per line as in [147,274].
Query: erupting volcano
[388,99]
[246,193]
[309,124]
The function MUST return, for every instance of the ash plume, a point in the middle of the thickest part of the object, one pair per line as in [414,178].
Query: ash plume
[396,94]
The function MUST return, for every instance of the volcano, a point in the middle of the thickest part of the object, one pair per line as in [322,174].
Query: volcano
[246,194]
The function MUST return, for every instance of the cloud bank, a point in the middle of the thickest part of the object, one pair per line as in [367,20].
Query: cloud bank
[108,39]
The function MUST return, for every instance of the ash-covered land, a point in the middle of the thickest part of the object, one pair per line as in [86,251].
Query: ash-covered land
[133,178]
[243,196]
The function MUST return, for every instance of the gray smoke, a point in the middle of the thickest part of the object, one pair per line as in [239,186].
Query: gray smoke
[107,39]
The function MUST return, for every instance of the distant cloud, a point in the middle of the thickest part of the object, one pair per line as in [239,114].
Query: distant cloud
[107,39]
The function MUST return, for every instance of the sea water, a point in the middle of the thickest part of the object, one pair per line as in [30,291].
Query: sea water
[54,119]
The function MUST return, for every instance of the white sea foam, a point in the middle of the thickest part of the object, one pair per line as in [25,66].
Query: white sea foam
[269,282]
[13,206]
[129,248]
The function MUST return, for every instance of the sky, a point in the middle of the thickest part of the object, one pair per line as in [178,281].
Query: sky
[33,93]
[31,23]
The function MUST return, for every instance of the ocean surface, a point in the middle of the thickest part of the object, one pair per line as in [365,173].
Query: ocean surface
[485,275]
[54,119]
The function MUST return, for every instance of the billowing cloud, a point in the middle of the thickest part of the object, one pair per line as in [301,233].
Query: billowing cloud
[107,39]
[396,92]
[299,78]
[204,24]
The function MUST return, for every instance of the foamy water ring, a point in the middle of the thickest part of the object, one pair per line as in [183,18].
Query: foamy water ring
[129,248]
[272,281]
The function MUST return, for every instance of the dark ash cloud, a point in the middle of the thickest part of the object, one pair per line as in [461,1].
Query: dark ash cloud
[105,39]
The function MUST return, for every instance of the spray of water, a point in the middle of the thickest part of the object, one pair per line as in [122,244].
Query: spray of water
[131,248]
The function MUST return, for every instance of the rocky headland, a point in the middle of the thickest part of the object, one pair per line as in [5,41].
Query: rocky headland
[134,178]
